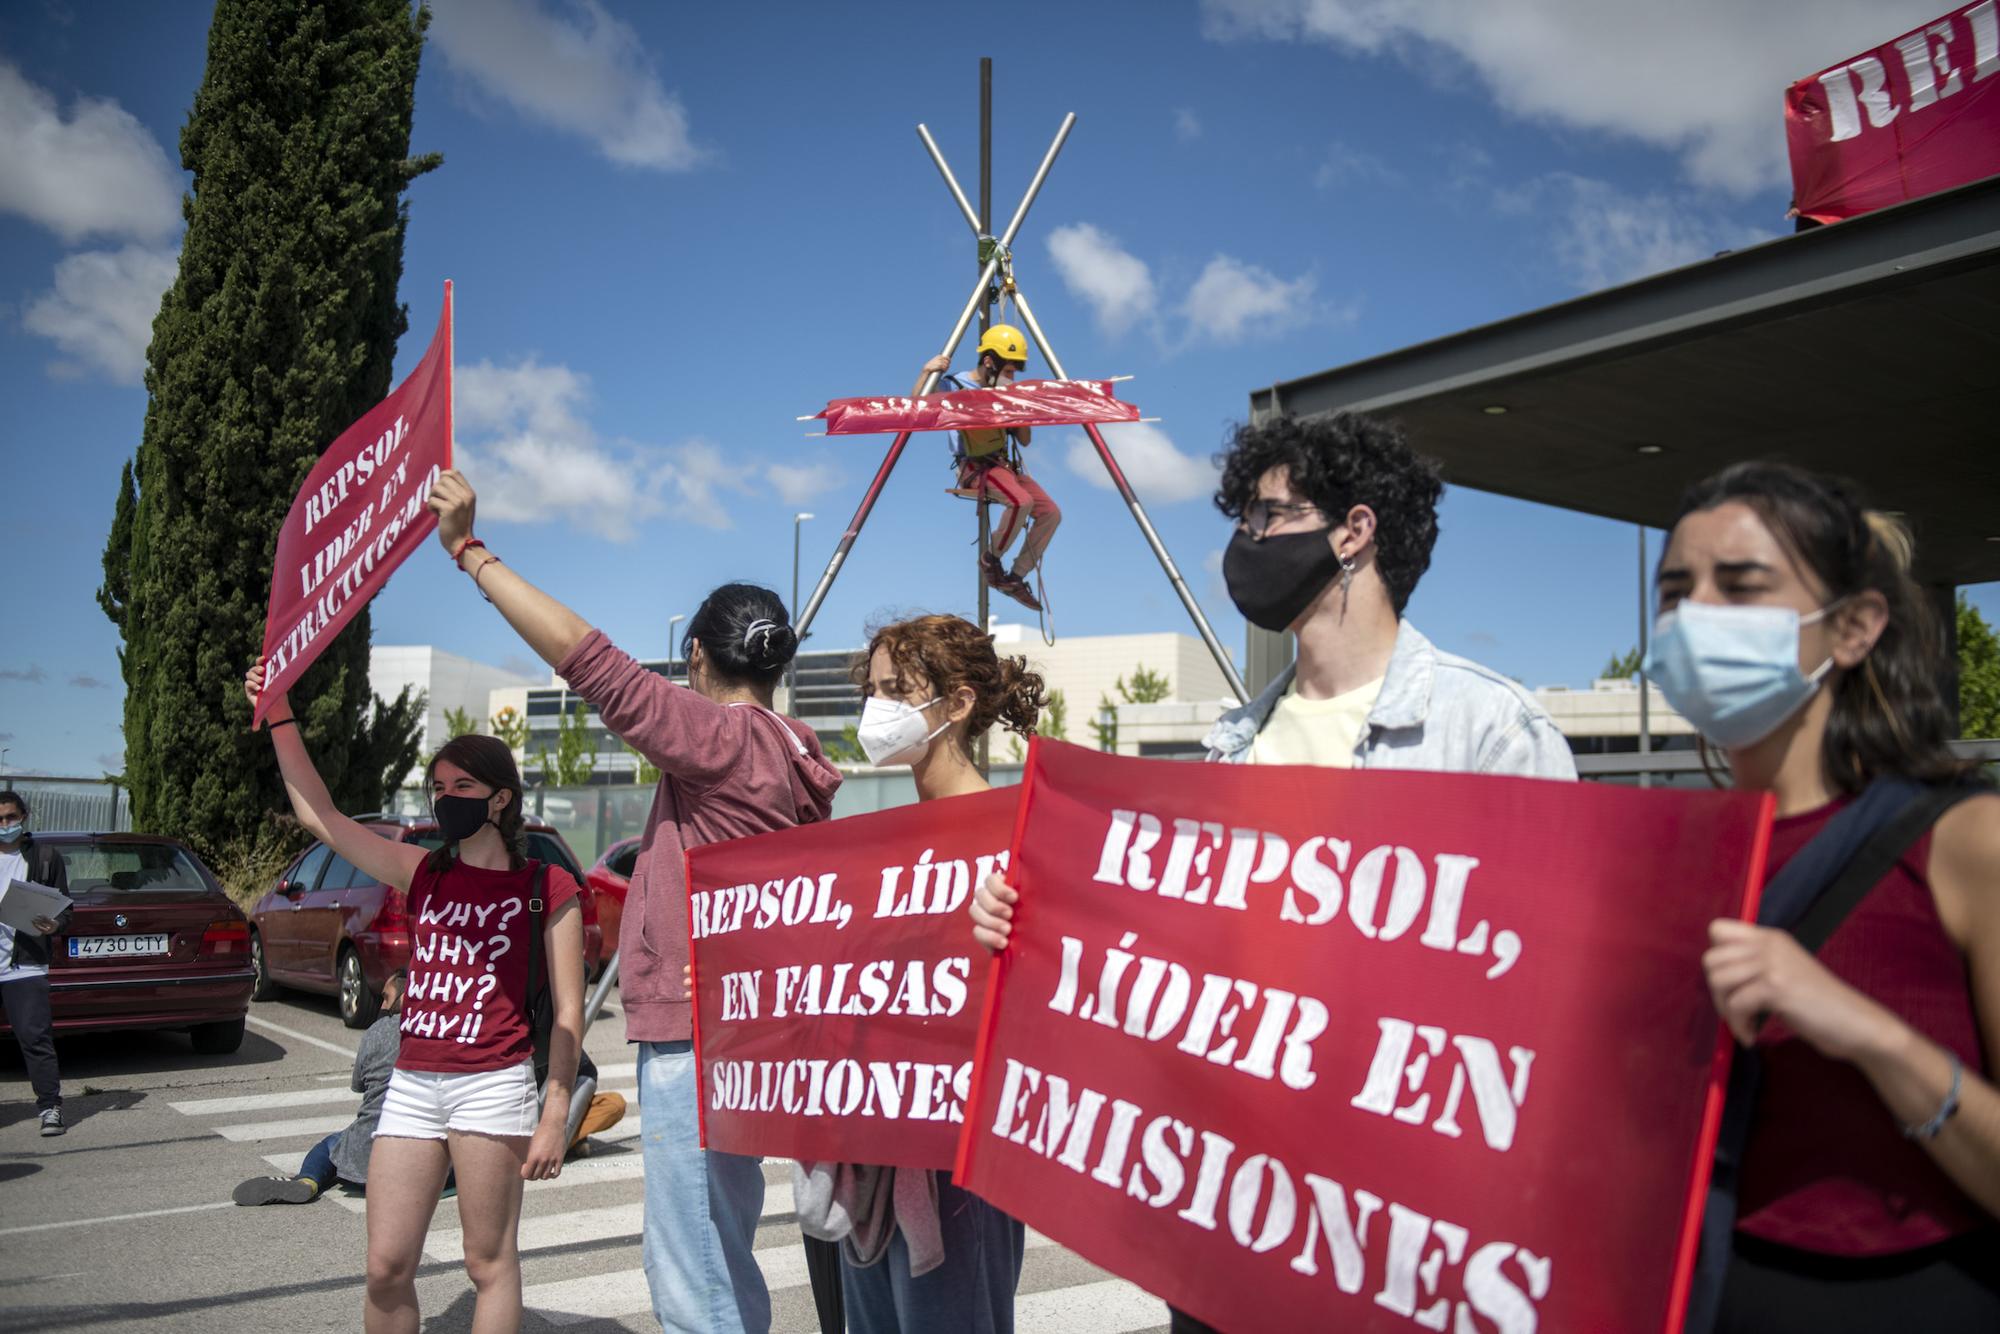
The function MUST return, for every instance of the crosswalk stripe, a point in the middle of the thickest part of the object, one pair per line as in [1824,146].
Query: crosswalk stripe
[1107,1306]
[324,1124]
[582,1225]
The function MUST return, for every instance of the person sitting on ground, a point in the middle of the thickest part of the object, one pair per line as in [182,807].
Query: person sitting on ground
[343,1155]
[986,466]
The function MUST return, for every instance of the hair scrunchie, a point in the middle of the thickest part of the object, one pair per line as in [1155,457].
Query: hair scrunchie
[757,627]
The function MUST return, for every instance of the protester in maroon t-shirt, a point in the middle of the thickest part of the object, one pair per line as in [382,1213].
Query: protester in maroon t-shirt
[1792,635]
[463,1095]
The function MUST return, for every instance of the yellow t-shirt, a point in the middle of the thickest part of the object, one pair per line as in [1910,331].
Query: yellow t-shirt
[1315,731]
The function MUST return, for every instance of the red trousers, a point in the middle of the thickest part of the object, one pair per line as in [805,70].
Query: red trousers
[1021,498]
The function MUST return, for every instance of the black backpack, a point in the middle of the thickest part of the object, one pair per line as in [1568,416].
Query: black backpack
[1810,897]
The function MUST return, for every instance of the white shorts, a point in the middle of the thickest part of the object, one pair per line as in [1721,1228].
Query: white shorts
[421,1105]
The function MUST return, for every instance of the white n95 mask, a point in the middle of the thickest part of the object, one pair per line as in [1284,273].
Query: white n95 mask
[892,732]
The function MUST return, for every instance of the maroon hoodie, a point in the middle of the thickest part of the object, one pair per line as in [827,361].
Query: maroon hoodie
[725,771]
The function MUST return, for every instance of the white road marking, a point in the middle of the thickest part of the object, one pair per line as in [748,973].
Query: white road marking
[113,1218]
[581,1225]
[1107,1306]
[297,1036]
[324,1124]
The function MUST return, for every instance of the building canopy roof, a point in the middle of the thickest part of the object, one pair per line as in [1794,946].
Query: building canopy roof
[1870,348]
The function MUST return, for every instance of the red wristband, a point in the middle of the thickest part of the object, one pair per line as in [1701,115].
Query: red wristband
[465,546]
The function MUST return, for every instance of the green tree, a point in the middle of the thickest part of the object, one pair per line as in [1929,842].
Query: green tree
[1623,666]
[1054,721]
[571,763]
[511,727]
[648,774]
[1978,674]
[1147,687]
[460,722]
[846,748]
[279,331]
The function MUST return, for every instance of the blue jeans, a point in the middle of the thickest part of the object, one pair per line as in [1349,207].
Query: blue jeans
[972,1292]
[318,1166]
[701,1209]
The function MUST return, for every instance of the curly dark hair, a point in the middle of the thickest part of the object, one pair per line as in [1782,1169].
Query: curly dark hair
[1338,460]
[948,652]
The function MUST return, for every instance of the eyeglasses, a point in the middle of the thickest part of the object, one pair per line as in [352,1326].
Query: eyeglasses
[1259,515]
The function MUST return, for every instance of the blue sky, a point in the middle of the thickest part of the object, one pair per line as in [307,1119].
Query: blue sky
[674,228]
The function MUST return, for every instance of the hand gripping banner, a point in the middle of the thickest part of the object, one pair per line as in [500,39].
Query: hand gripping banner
[360,513]
[837,982]
[1029,403]
[1912,117]
[1307,1049]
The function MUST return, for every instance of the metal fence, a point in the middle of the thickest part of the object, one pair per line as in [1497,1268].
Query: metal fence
[89,807]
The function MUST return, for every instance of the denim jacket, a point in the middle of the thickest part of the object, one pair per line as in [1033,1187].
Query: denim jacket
[1437,711]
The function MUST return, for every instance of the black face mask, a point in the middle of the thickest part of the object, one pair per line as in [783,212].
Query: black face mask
[459,818]
[1273,581]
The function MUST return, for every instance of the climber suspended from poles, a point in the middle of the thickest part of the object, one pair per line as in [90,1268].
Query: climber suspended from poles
[989,466]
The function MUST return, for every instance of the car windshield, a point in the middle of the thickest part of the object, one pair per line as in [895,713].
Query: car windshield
[541,848]
[129,866]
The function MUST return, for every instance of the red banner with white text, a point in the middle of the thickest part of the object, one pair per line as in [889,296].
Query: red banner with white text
[837,984]
[1029,403]
[1912,117]
[1307,1049]
[360,513]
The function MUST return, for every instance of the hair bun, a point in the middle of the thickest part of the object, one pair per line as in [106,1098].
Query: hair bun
[773,646]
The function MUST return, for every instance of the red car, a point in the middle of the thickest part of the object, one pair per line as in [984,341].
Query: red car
[609,880]
[328,927]
[152,943]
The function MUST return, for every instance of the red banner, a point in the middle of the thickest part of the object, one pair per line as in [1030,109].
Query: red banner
[1912,117]
[1029,403]
[837,984]
[360,513]
[1300,1049]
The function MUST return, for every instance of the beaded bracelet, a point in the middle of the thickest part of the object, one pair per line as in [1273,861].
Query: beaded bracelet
[465,546]
[1946,1109]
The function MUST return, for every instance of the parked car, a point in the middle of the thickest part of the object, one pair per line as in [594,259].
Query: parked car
[330,927]
[153,943]
[608,882]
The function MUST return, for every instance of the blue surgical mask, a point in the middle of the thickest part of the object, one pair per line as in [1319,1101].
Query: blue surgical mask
[1733,671]
[11,832]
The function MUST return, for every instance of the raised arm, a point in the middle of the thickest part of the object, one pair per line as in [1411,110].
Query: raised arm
[549,628]
[387,860]
[928,376]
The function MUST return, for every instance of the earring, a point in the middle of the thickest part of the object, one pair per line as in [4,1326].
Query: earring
[1346,572]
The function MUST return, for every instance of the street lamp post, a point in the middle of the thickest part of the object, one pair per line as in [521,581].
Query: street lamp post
[673,621]
[792,667]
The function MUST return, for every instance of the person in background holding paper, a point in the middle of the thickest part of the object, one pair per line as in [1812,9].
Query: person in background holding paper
[462,1098]
[1867,1191]
[24,958]
[729,767]
[916,1252]
[1335,519]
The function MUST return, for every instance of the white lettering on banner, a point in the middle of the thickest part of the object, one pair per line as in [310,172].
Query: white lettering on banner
[333,491]
[798,901]
[949,884]
[1496,1098]
[1040,1111]
[1862,83]
[1162,999]
[1313,892]
[739,995]
[932,990]
[889,1090]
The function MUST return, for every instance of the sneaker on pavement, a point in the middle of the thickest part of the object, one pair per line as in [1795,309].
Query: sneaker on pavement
[52,1122]
[276,1190]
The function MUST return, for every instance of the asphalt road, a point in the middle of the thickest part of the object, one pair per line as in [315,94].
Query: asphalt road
[125,1222]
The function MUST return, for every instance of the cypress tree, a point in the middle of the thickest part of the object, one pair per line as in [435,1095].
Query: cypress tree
[278,332]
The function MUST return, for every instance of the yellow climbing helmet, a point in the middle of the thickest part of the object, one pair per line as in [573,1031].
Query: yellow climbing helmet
[1005,342]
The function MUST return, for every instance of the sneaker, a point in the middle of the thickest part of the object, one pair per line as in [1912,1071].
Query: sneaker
[52,1122]
[1015,587]
[996,573]
[276,1190]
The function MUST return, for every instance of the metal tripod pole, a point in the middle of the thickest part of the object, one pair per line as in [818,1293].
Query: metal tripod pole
[982,755]
[805,617]
[1194,611]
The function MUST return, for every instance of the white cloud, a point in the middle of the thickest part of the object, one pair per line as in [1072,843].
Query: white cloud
[1157,469]
[1187,125]
[98,173]
[1700,78]
[796,484]
[1603,236]
[1345,164]
[1232,300]
[101,310]
[1116,284]
[527,446]
[583,72]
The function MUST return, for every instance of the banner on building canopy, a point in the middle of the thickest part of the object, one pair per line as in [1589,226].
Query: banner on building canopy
[360,513]
[1305,1049]
[1028,403]
[837,983]
[1912,117]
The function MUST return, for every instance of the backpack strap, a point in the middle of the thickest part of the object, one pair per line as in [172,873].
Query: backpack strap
[1877,857]
[535,963]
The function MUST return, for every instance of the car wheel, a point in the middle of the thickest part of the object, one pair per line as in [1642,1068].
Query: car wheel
[359,1004]
[217,1039]
[263,988]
